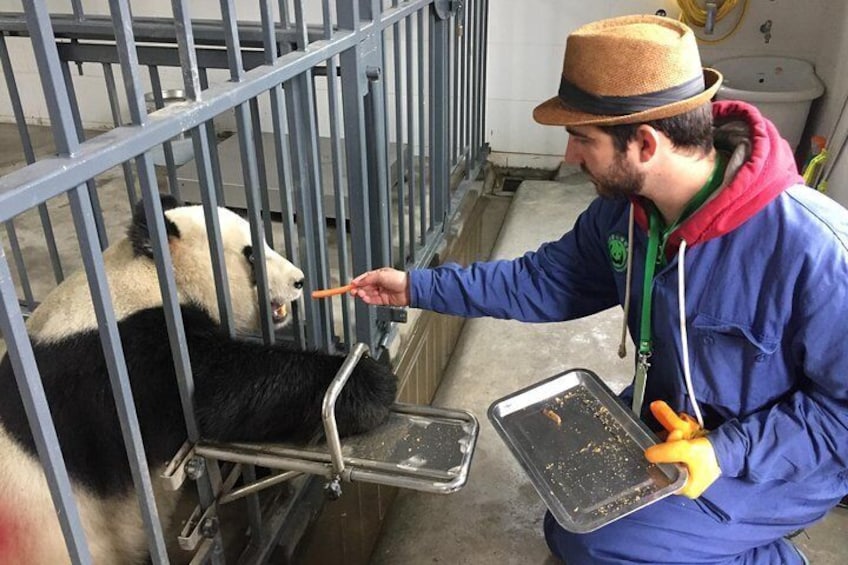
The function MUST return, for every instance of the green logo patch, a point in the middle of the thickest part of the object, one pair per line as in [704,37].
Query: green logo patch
[617,245]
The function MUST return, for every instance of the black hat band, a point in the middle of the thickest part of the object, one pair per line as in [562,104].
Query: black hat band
[574,97]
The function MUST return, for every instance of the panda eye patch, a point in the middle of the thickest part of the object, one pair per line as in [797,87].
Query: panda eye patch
[248,253]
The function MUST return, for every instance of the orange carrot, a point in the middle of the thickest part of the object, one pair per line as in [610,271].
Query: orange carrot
[331,291]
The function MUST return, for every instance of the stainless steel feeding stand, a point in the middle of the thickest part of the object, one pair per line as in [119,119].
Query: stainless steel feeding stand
[418,447]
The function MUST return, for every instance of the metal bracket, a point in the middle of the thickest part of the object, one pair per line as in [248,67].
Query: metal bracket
[391,314]
[447,8]
[175,474]
[199,527]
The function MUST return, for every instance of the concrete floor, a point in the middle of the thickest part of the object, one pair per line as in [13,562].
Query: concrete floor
[497,516]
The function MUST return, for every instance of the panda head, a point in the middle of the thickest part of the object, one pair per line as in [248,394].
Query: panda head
[189,247]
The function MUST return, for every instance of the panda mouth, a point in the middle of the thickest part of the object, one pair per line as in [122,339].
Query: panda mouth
[278,312]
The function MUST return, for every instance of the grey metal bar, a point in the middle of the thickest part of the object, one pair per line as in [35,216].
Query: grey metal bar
[339,195]
[439,124]
[20,266]
[353,89]
[261,173]
[80,135]
[399,152]
[212,142]
[38,414]
[308,196]
[375,127]
[454,51]
[484,49]
[464,102]
[185,44]
[167,147]
[29,155]
[410,141]
[117,368]
[115,107]
[249,171]
[286,184]
[476,96]
[20,350]
[422,127]
[248,135]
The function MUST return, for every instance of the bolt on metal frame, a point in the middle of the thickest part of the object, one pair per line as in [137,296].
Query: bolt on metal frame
[333,79]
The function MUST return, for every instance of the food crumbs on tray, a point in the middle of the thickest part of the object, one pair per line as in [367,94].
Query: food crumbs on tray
[553,416]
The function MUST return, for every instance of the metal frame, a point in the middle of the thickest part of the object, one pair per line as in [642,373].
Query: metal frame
[397,212]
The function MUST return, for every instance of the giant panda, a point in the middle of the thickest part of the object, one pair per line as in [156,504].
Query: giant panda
[244,390]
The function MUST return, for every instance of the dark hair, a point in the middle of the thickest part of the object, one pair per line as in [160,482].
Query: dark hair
[693,129]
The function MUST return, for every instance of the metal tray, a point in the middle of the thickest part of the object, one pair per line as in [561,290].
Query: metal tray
[583,450]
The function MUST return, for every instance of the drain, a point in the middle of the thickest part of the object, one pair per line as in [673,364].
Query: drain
[510,184]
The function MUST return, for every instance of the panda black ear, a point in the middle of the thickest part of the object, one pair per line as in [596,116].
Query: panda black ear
[138,231]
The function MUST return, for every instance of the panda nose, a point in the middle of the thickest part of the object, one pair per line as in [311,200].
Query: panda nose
[298,283]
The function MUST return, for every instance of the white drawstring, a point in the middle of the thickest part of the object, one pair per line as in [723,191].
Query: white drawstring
[622,346]
[684,339]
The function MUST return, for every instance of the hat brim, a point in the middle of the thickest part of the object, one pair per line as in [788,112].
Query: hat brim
[554,112]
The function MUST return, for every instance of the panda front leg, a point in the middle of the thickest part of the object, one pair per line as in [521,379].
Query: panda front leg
[246,391]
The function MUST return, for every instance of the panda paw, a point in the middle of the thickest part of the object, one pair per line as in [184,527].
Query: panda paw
[365,400]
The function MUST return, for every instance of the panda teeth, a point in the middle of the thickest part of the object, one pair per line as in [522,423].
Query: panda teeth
[280,311]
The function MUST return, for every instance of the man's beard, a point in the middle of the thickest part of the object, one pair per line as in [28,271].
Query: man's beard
[620,180]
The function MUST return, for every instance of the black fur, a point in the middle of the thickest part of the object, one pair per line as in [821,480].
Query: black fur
[138,231]
[244,391]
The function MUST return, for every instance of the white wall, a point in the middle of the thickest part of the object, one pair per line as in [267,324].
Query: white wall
[527,43]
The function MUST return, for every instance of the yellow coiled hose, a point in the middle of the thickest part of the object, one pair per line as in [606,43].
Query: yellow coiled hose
[694,13]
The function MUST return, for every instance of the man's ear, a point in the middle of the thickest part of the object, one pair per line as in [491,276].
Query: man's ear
[647,142]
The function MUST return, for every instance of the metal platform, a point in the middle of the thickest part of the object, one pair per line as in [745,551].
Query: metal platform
[418,447]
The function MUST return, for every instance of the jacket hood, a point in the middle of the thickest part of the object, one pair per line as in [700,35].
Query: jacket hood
[762,166]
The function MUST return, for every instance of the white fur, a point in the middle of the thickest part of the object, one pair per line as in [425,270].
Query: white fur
[134,283]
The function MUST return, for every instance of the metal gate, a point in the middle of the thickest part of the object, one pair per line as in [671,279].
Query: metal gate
[360,122]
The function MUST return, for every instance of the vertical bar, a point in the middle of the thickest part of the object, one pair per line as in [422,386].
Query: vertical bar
[286,184]
[478,93]
[212,144]
[353,89]
[19,349]
[410,142]
[38,414]
[457,26]
[262,174]
[167,147]
[247,151]
[20,266]
[29,155]
[303,138]
[439,126]
[399,152]
[422,186]
[339,195]
[115,107]
[80,136]
[484,48]
[375,127]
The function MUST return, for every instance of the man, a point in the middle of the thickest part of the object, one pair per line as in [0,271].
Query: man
[734,282]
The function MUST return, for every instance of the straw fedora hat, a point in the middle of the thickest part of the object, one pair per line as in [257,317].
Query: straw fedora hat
[630,69]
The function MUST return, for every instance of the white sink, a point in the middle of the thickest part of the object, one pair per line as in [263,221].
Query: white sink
[782,88]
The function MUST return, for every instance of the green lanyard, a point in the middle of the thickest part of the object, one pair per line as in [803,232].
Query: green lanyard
[656,245]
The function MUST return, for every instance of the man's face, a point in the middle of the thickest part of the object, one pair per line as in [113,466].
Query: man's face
[612,172]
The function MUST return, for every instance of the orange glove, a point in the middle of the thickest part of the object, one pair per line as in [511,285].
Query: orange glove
[686,444]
